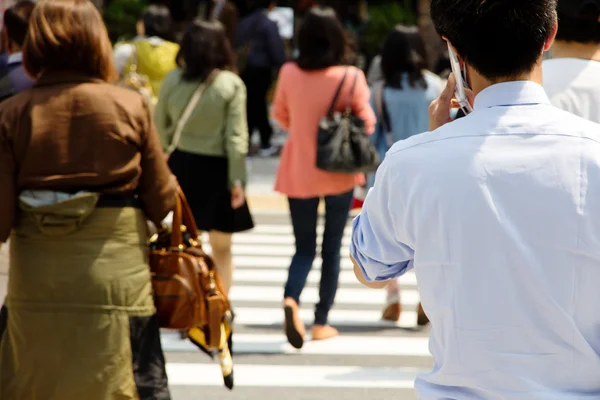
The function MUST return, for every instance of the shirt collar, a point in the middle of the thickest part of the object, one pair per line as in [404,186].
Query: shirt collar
[15,58]
[517,93]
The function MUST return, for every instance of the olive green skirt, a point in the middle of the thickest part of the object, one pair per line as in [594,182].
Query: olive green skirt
[79,316]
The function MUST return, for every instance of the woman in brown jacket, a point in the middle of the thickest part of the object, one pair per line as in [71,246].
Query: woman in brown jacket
[81,168]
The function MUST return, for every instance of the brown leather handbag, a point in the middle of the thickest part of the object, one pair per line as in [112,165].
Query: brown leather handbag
[188,292]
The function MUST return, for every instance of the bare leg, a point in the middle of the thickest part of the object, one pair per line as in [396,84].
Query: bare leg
[221,251]
[393,292]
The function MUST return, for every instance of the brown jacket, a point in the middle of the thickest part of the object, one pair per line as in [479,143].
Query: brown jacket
[70,133]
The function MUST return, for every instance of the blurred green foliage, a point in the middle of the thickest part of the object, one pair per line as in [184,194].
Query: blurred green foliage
[121,17]
[382,19]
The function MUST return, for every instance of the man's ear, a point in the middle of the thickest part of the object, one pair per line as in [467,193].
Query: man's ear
[550,41]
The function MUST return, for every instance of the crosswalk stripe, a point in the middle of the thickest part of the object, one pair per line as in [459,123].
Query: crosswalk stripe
[268,261]
[260,239]
[181,374]
[343,345]
[268,250]
[268,317]
[277,229]
[277,276]
[311,295]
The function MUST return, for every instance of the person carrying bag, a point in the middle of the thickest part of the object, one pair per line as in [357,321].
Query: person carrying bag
[343,144]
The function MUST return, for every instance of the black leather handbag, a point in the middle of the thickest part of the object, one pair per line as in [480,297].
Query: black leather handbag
[342,144]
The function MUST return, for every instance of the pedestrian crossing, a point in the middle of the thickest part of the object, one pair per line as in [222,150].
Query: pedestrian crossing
[370,354]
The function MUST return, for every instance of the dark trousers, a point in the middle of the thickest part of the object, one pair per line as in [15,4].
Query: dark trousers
[304,213]
[258,80]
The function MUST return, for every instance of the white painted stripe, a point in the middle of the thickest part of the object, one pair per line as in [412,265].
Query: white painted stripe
[268,250]
[277,262]
[310,295]
[368,319]
[294,376]
[286,229]
[258,239]
[340,346]
[280,276]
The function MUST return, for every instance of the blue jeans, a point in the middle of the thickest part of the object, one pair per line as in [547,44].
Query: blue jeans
[304,213]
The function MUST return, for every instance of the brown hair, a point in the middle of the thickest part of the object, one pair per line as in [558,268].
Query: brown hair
[68,35]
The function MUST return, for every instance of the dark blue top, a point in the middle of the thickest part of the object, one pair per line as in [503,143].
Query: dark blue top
[14,80]
[268,49]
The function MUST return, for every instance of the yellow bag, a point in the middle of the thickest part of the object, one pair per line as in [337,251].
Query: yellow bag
[153,61]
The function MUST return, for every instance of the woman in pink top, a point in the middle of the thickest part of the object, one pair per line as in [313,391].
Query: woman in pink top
[304,93]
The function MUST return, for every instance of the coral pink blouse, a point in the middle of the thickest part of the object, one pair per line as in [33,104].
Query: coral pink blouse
[302,98]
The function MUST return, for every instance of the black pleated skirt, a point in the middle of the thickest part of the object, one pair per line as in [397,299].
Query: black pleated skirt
[204,180]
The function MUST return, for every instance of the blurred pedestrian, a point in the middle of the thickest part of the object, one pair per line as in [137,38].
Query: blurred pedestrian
[153,51]
[497,213]
[226,12]
[14,30]
[401,101]
[305,90]
[261,47]
[81,169]
[572,77]
[209,155]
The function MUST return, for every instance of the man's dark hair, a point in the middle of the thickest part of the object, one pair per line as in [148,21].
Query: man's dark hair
[16,21]
[204,47]
[578,21]
[499,38]
[158,22]
[322,42]
[403,54]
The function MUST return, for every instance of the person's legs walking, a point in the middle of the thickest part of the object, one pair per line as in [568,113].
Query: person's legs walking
[336,218]
[252,96]
[304,220]
[393,307]
[221,251]
[264,81]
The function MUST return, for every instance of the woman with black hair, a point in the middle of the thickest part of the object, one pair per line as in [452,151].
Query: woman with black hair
[208,157]
[305,92]
[401,100]
[152,53]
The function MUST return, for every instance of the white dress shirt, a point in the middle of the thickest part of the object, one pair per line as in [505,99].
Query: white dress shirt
[573,85]
[499,215]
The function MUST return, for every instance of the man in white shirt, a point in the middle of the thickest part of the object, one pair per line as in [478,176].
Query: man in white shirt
[572,77]
[499,215]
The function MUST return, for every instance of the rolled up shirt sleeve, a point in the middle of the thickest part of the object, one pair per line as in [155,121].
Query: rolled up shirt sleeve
[379,237]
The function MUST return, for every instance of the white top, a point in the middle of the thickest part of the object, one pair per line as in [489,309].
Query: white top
[574,85]
[499,215]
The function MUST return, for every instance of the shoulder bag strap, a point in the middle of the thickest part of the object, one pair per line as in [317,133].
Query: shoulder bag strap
[337,94]
[133,59]
[381,109]
[349,107]
[189,109]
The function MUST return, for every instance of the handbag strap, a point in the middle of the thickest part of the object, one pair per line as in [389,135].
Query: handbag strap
[382,113]
[182,216]
[337,94]
[349,107]
[189,109]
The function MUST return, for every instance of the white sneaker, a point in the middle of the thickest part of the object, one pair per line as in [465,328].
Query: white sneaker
[268,152]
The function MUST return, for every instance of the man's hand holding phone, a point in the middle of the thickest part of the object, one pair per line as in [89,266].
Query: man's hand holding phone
[439,110]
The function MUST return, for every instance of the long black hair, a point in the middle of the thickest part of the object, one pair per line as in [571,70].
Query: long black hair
[204,47]
[404,53]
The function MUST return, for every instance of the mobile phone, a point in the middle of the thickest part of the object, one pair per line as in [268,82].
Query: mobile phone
[461,81]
